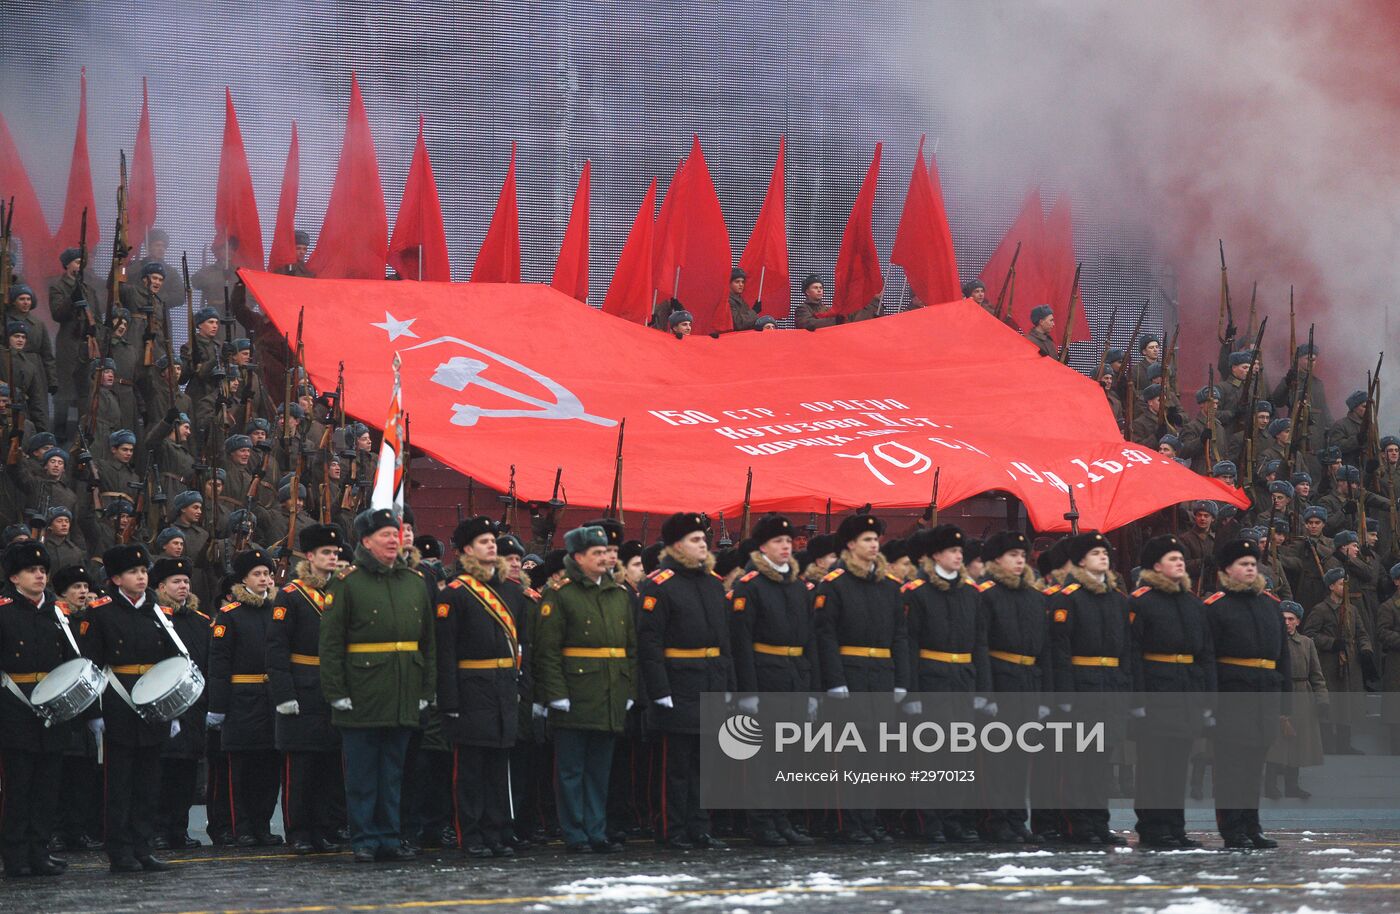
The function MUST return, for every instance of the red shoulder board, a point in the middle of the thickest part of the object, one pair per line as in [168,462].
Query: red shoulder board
[290,588]
[1270,594]
[913,585]
[64,607]
[1132,617]
[895,578]
[1140,591]
[230,607]
[532,594]
[810,585]
[1070,589]
[986,586]
[100,601]
[717,576]
[750,576]
[1213,597]
[834,575]
[661,575]
[202,615]
[5,601]
[1051,590]
[455,584]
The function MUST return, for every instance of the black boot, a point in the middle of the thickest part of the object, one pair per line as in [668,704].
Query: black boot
[1198,777]
[1291,788]
[1272,772]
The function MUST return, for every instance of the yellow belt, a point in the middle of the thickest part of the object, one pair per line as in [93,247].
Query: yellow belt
[691,653]
[777,650]
[492,663]
[27,678]
[1258,663]
[132,669]
[1022,659]
[850,651]
[596,653]
[1094,661]
[945,657]
[382,647]
[1170,658]
[248,678]
[306,659]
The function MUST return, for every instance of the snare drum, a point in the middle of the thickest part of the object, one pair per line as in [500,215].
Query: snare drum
[67,691]
[167,690]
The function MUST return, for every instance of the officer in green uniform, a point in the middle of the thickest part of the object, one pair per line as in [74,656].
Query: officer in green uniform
[378,672]
[585,651]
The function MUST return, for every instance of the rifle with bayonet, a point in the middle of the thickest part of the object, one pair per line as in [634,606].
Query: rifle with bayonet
[1069,316]
[509,501]
[1296,408]
[1107,343]
[724,541]
[933,498]
[80,293]
[615,502]
[748,506]
[1244,418]
[14,451]
[1227,314]
[1008,284]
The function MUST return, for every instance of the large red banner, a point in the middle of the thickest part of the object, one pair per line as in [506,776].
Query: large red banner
[502,375]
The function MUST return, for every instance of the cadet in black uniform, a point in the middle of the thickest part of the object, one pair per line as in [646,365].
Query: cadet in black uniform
[478,691]
[947,648]
[80,803]
[774,644]
[861,638]
[125,634]
[1251,655]
[313,789]
[1178,656]
[180,755]
[240,705]
[1017,637]
[1091,650]
[683,649]
[33,640]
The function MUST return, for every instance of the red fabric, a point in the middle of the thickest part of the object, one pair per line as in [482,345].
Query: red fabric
[923,243]
[352,243]
[420,241]
[235,206]
[765,257]
[697,241]
[1057,270]
[668,237]
[499,257]
[630,293]
[79,195]
[863,414]
[40,259]
[858,278]
[571,269]
[284,240]
[141,191]
[1027,230]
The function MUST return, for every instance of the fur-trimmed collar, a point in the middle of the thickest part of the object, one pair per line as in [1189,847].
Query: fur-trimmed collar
[930,569]
[248,598]
[814,573]
[688,564]
[1233,586]
[863,569]
[474,567]
[764,567]
[1025,579]
[191,602]
[311,578]
[1091,583]
[412,556]
[1150,578]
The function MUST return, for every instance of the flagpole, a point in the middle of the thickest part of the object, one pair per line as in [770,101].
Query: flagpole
[761,272]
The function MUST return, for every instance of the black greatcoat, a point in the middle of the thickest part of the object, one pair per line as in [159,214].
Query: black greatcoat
[683,608]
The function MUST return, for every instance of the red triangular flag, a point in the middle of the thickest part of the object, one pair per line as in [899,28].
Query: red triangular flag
[630,292]
[1057,270]
[765,257]
[571,269]
[353,237]
[284,233]
[923,243]
[235,206]
[141,193]
[858,279]
[38,258]
[499,257]
[706,257]
[79,195]
[1025,231]
[668,239]
[418,248]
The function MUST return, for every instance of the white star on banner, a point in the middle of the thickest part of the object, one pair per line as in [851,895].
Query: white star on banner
[395,327]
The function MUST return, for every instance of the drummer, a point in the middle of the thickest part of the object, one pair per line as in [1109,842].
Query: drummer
[32,643]
[125,635]
[179,765]
[240,703]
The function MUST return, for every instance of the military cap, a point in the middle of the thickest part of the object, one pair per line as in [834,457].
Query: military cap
[1234,550]
[121,314]
[1289,606]
[1243,357]
[1330,454]
[237,443]
[680,525]
[1281,487]
[205,314]
[1114,355]
[972,286]
[855,525]
[318,535]
[1224,468]
[651,557]
[894,549]
[1395,571]
[1278,427]
[1207,393]
[737,273]
[1388,440]
[1205,506]
[679,317]
[822,545]
[242,343]
[124,557]
[1270,467]
[69,575]
[1354,399]
[1263,406]
[102,365]
[430,547]
[56,512]
[1170,441]
[1333,575]
[68,256]
[372,520]
[25,554]
[1002,542]
[1372,525]
[509,544]
[629,550]
[1053,557]
[771,526]
[154,268]
[119,506]
[766,320]
[581,539]
[730,560]
[811,280]
[612,527]
[186,498]
[470,529]
[285,493]
[1040,313]
[19,289]
[1152,391]
[1301,478]
[1349,473]
[1157,548]
[38,440]
[1307,349]
[53,452]
[300,237]
[246,561]
[169,567]
[1315,511]
[121,436]
[169,535]
[156,235]
[258,425]
[1345,538]
[1080,546]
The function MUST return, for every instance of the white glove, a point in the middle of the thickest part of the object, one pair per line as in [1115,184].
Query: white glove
[560,704]
[978,702]
[1043,711]
[452,714]
[1209,716]
[343,704]
[215,721]
[1065,708]
[749,704]
[1138,712]
[914,707]
[174,729]
[538,710]
[990,709]
[665,702]
[289,707]
[728,697]
[629,704]
[839,692]
[811,708]
[97,725]
[422,704]
[899,694]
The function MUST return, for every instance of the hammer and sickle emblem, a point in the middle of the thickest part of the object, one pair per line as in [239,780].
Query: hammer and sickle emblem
[460,372]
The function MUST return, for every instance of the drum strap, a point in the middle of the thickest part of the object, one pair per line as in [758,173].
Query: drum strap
[67,629]
[120,689]
[170,630]
[14,688]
